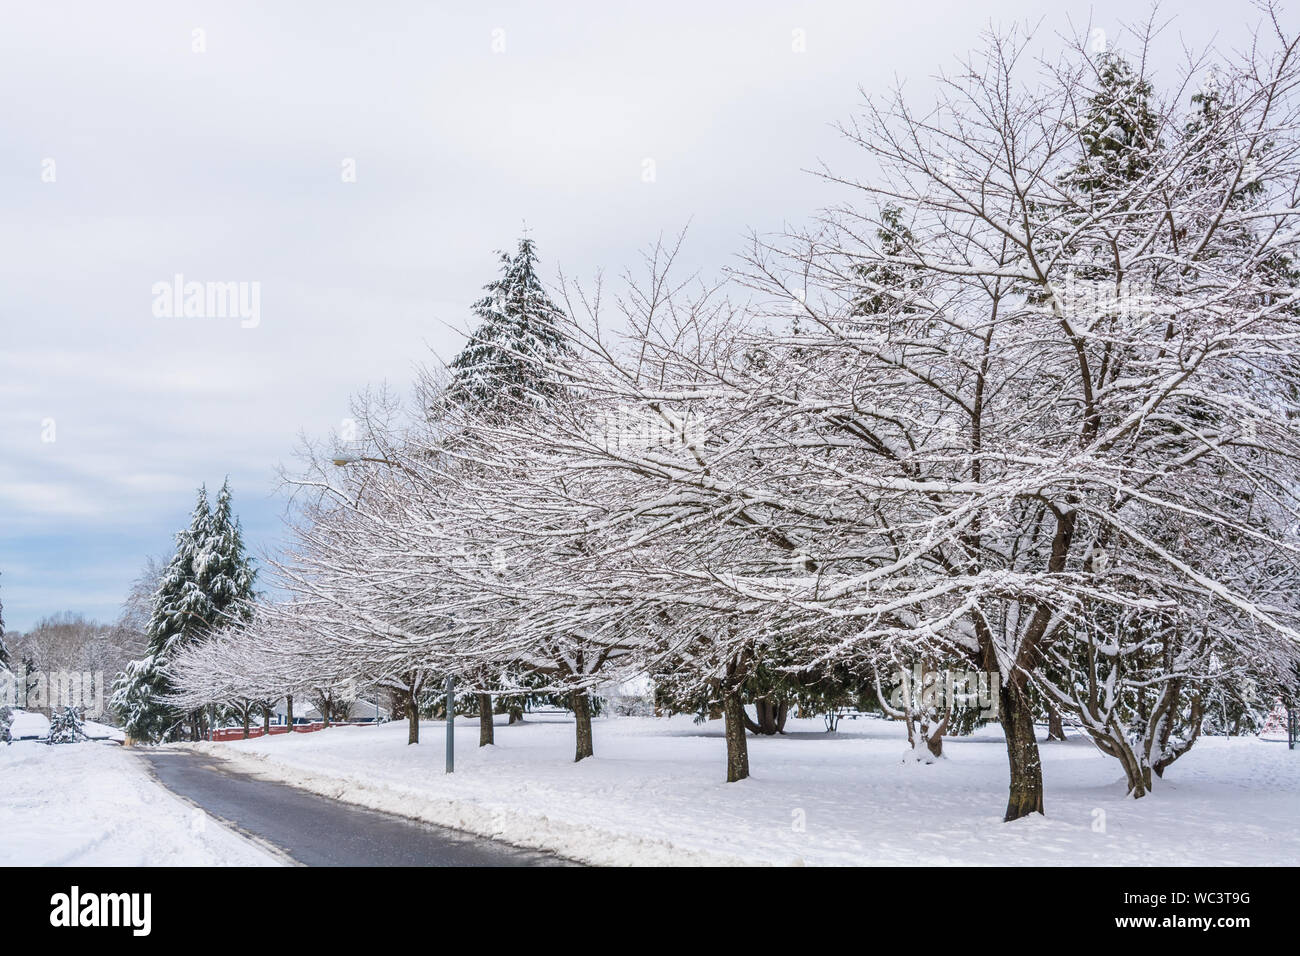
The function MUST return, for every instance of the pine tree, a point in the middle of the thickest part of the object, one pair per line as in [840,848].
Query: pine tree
[208,578]
[67,727]
[1119,133]
[886,286]
[1218,164]
[139,691]
[519,333]
[223,571]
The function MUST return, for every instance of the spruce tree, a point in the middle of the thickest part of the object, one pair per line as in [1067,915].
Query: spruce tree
[138,695]
[223,571]
[505,360]
[1118,135]
[208,577]
[888,287]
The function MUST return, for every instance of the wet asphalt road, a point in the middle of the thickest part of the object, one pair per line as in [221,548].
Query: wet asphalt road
[317,831]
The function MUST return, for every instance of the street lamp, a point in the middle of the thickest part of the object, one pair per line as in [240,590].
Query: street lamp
[451,724]
[342,460]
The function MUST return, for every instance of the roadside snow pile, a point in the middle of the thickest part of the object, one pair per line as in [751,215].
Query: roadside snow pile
[653,794]
[28,726]
[93,804]
[97,731]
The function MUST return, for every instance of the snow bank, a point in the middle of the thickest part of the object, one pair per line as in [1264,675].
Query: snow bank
[94,804]
[654,794]
[28,726]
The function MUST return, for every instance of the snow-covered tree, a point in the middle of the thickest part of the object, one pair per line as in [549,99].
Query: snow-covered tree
[223,571]
[1011,444]
[1119,132]
[208,579]
[179,611]
[505,363]
[512,369]
[601,508]
[66,727]
[1035,418]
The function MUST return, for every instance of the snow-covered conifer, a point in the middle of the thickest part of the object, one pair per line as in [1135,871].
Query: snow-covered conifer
[208,577]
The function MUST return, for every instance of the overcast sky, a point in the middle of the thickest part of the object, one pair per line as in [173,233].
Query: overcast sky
[127,157]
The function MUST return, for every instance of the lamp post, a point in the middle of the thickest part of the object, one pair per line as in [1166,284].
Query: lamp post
[451,724]
[342,460]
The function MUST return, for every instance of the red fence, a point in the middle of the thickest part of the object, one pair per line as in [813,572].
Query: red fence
[237,733]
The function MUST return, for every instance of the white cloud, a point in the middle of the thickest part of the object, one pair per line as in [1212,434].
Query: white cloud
[225,165]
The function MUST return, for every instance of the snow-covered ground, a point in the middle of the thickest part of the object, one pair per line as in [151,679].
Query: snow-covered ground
[654,793]
[29,725]
[94,804]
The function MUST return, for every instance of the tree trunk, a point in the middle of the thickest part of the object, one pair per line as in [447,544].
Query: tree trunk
[1017,719]
[248,718]
[581,705]
[1055,731]
[766,716]
[934,742]
[770,717]
[288,715]
[485,720]
[1139,777]
[1169,754]
[412,719]
[733,714]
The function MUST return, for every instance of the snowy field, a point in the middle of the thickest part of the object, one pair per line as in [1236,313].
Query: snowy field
[654,794]
[94,804]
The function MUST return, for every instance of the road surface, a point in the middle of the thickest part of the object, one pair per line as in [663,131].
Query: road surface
[317,831]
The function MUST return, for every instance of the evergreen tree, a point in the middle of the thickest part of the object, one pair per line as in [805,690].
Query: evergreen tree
[887,287]
[1119,134]
[1218,165]
[67,727]
[519,333]
[208,577]
[139,691]
[224,573]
